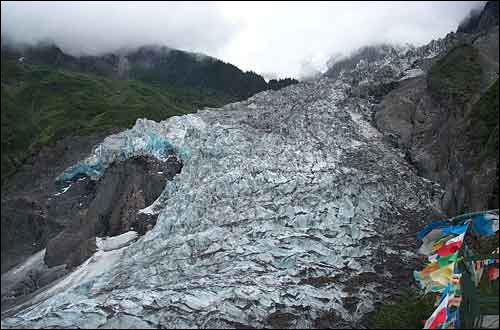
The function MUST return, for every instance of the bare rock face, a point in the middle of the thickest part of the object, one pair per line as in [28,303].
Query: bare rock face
[25,230]
[483,20]
[29,276]
[445,135]
[30,214]
[64,219]
[126,188]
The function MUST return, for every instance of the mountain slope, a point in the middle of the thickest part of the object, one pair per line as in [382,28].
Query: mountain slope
[481,20]
[173,67]
[161,66]
[67,95]
[41,105]
[55,107]
[447,121]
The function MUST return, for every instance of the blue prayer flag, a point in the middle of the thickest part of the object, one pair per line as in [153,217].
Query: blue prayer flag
[483,224]
[427,229]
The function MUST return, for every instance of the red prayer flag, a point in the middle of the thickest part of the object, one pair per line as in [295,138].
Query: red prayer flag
[448,249]
[440,319]
[493,273]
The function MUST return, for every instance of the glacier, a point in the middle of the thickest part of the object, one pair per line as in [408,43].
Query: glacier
[290,208]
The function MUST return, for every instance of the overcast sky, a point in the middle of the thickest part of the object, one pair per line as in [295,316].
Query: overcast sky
[271,38]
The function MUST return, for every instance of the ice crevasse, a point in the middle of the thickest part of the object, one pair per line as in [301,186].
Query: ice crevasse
[289,211]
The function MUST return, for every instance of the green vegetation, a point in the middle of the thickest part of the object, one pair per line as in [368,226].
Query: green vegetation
[52,95]
[276,84]
[455,78]
[41,104]
[182,69]
[484,122]
[406,312]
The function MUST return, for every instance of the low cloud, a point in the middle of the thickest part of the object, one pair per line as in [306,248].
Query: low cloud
[99,27]
[283,38]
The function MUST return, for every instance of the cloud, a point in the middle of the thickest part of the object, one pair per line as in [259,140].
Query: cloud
[98,27]
[283,38]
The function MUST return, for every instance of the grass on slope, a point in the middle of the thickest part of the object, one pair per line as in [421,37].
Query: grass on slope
[406,312]
[485,122]
[41,104]
[456,77]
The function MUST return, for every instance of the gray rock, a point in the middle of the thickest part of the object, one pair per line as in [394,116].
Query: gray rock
[30,216]
[434,134]
[125,188]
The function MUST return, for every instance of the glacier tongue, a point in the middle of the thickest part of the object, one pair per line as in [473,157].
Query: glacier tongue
[146,138]
[289,208]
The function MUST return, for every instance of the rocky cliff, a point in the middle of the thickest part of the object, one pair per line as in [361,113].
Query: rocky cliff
[447,121]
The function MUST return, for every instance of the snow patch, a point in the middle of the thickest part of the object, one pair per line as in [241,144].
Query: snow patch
[366,129]
[116,242]
[412,73]
[14,276]
[65,189]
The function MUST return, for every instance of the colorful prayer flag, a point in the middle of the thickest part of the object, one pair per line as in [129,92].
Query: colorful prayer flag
[485,224]
[444,261]
[427,229]
[439,316]
[451,246]
[433,278]
[493,273]
[442,242]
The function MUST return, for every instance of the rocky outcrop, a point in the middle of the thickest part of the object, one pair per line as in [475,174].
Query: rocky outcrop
[33,274]
[31,216]
[72,219]
[489,16]
[29,276]
[440,123]
[25,229]
[124,189]
[64,218]
[481,20]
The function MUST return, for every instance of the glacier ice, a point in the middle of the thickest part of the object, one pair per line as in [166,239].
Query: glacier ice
[288,203]
[159,140]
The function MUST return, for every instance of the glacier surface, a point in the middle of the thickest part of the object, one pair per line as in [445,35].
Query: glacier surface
[290,207]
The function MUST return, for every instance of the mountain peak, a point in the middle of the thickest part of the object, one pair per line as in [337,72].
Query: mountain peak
[481,19]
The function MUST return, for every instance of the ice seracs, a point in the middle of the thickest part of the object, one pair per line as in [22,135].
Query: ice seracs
[289,205]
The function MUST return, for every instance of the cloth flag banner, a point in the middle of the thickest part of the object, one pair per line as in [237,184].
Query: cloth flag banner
[444,261]
[435,238]
[442,243]
[451,246]
[439,273]
[434,225]
[439,316]
[433,278]
[485,224]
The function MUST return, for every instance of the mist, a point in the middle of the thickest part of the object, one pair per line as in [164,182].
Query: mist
[277,39]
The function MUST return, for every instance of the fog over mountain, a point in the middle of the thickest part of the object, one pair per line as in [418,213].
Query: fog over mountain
[280,38]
